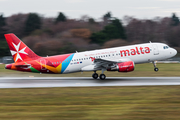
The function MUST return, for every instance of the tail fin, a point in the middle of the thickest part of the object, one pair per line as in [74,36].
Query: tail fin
[19,50]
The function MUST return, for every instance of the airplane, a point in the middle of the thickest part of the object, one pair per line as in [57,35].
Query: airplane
[121,59]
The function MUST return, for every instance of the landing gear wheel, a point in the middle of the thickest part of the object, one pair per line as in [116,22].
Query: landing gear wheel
[156,69]
[102,76]
[95,75]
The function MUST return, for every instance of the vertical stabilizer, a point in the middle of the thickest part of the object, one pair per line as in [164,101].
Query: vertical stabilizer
[19,50]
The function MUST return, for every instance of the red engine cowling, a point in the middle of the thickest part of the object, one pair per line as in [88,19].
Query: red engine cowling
[123,67]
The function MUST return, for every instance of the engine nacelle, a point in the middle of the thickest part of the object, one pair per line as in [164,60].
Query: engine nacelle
[123,67]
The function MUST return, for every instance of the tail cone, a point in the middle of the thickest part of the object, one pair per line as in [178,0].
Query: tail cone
[8,66]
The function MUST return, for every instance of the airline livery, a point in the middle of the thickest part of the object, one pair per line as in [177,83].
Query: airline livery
[121,59]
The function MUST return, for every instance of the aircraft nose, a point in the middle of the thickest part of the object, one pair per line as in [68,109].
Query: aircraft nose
[173,51]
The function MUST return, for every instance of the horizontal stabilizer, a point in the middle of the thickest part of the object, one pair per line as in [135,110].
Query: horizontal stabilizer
[23,66]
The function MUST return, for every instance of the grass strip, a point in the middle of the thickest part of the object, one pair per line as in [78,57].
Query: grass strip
[90,103]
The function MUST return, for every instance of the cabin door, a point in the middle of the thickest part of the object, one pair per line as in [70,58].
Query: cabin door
[43,64]
[155,49]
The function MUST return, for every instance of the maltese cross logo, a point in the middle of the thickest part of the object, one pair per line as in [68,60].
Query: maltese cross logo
[92,58]
[19,52]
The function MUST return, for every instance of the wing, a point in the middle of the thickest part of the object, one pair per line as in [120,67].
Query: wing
[99,64]
[107,63]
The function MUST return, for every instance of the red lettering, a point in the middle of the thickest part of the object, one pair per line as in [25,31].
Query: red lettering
[124,52]
[137,50]
[133,52]
[147,50]
[141,50]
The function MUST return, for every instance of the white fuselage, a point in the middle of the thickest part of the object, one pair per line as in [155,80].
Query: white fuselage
[139,53]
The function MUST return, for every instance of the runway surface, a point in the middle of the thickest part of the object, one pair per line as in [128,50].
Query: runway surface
[31,82]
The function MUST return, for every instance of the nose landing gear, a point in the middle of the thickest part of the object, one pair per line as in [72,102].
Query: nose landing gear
[155,68]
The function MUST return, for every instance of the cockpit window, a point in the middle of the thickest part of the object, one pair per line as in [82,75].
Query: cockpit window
[166,47]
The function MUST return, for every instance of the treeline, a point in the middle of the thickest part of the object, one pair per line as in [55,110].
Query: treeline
[51,36]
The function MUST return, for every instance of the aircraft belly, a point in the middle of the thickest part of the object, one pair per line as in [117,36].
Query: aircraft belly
[72,68]
[142,58]
[75,67]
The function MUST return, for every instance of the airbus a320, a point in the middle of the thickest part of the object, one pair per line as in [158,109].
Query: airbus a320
[121,59]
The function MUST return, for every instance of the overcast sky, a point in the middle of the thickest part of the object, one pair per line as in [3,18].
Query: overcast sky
[144,9]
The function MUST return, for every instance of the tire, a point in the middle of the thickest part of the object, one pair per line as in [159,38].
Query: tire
[95,75]
[156,69]
[102,76]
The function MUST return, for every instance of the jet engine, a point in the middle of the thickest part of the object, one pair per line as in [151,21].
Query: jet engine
[123,67]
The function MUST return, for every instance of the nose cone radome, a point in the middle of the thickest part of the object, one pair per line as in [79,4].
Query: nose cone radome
[173,52]
[8,66]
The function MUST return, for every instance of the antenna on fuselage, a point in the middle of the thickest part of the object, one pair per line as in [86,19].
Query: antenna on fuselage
[149,41]
[76,51]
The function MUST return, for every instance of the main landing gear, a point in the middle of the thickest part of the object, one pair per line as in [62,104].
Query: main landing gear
[95,75]
[155,68]
[102,76]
